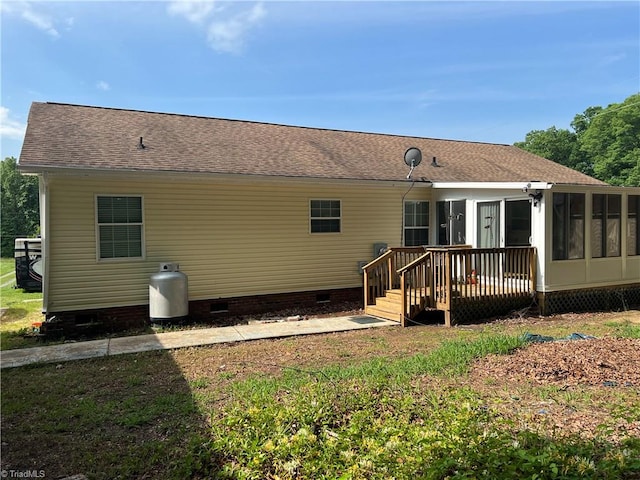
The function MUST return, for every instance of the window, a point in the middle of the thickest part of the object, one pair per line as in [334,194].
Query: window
[605,225]
[325,216]
[568,226]
[451,222]
[633,225]
[119,226]
[416,223]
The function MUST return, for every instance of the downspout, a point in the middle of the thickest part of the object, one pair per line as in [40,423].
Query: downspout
[43,188]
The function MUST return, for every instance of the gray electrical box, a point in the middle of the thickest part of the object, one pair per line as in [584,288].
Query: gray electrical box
[379,249]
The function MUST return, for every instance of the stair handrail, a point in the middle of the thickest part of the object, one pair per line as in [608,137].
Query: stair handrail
[412,265]
[405,287]
[390,257]
[379,259]
[436,282]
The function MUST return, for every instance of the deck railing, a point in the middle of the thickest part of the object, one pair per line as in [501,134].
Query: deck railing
[442,274]
[382,274]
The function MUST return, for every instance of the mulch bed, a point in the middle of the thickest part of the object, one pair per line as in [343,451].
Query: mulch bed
[604,361]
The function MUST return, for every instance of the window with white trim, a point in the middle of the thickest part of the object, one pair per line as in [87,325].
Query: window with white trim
[416,223]
[568,226]
[605,225]
[325,216]
[633,225]
[119,226]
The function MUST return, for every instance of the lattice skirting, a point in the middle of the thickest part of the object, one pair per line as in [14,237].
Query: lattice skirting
[622,297]
[466,310]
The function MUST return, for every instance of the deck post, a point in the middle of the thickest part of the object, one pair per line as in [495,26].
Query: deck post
[532,270]
[447,318]
[403,299]
[448,287]
[365,286]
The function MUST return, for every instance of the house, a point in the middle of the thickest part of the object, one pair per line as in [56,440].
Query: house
[262,216]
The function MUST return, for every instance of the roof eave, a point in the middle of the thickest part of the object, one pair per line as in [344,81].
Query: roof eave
[534,184]
[204,176]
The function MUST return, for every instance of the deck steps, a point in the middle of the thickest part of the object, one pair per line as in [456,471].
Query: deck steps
[389,307]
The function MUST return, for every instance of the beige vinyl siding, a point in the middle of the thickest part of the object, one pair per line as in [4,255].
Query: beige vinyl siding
[230,239]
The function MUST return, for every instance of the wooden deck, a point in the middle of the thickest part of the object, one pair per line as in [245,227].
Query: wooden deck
[460,281]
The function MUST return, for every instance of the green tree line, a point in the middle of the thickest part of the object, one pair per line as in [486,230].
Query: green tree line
[602,142]
[19,209]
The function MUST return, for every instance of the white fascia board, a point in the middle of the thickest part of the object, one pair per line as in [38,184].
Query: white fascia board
[534,185]
[151,175]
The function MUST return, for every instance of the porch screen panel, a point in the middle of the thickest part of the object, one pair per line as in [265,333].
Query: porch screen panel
[606,225]
[559,227]
[633,225]
[597,222]
[568,226]
[614,210]
[576,225]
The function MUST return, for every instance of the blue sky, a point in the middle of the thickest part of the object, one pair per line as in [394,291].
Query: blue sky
[480,71]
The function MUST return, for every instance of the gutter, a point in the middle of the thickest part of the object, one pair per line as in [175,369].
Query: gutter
[532,185]
[152,175]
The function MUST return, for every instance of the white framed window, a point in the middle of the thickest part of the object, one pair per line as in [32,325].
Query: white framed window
[633,225]
[119,226]
[416,223]
[605,225]
[568,226]
[325,216]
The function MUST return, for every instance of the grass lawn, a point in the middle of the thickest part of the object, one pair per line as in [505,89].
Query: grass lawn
[380,403]
[20,309]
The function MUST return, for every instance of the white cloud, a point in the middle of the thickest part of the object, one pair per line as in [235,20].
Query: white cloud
[102,85]
[228,35]
[611,59]
[9,127]
[223,34]
[195,12]
[38,19]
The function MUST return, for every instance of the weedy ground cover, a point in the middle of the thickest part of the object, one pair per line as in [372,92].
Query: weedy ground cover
[20,309]
[380,403]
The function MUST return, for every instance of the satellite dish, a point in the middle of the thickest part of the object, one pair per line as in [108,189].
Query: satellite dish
[412,157]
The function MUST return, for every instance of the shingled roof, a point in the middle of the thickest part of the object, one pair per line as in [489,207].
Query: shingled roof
[61,136]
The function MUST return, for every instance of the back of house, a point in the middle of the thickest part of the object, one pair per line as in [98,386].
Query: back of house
[264,217]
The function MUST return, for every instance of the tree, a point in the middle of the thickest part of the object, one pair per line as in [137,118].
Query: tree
[559,145]
[18,205]
[612,141]
[604,143]
[582,121]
